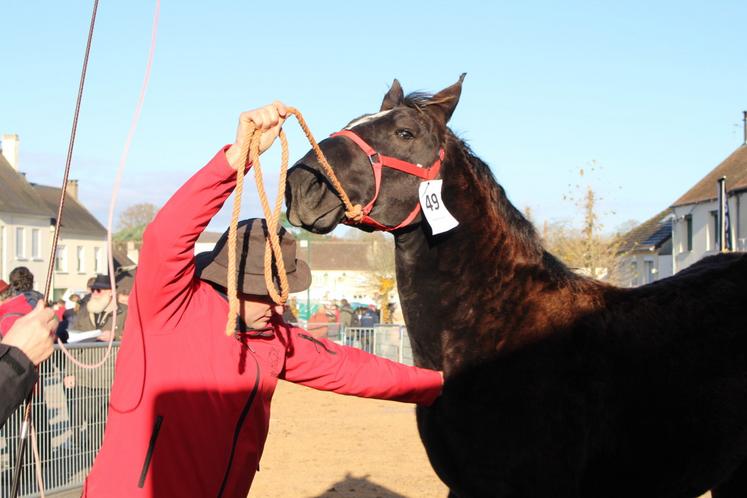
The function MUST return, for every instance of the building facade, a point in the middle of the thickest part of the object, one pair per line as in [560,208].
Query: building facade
[647,251]
[695,231]
[27,222]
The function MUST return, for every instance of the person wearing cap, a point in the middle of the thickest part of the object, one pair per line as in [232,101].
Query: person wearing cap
[87,389]
[97,311]
[190,405]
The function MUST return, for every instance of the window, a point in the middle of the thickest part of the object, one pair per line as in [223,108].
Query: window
[80,255]
[20,246]
[97,263]
[35,243]
[689,232]
[648,271]
[60,260]
[634,274]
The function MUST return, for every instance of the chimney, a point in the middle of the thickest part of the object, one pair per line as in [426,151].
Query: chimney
[9,149]
[745,126]
[72,188]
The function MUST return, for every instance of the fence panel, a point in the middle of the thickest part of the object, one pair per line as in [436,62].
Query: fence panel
[69,412]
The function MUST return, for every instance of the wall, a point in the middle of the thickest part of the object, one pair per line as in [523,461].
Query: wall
[703,230]
[75,277]
[37,263]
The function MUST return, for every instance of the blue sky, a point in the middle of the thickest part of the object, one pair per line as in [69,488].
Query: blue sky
[650,91]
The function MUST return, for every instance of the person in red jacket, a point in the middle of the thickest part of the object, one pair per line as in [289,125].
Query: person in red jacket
[190,406]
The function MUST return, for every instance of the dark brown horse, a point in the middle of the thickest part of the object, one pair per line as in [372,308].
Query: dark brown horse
[557,385]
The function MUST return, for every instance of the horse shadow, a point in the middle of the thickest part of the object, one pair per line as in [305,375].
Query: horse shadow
[358,486]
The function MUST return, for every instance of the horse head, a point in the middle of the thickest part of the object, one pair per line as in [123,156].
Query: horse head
[380,159]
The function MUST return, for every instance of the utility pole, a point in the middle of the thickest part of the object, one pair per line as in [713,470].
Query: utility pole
[722,200]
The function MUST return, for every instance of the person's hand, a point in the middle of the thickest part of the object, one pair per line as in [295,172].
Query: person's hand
[69,381]
[34,334]
[269,119]
[106,335]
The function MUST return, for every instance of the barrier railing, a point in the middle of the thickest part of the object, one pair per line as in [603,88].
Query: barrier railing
[389,340]
[69,413]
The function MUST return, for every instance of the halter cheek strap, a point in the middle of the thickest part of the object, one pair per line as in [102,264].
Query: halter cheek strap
[379,161]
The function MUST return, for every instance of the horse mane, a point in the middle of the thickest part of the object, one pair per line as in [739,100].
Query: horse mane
[496,210]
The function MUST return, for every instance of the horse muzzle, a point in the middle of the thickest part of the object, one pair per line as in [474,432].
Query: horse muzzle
[312,202]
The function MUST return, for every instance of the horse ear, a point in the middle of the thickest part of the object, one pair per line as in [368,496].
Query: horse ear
[394,97]
[445,101]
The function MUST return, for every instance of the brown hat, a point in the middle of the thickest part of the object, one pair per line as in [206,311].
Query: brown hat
[250,235]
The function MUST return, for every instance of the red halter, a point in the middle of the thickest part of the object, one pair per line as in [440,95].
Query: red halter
[377,162]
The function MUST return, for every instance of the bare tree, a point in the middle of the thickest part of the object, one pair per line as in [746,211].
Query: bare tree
[132,223]
[587,249]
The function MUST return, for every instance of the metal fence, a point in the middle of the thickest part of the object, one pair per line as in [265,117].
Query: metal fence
[388,341]
[69,410]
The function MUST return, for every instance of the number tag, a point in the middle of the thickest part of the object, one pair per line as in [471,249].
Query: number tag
[439,218]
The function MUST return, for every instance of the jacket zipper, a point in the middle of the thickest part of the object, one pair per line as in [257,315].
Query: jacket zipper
[151,447]
[239,425]
[316,343]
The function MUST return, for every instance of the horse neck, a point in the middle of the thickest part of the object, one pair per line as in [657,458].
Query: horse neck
[467,293]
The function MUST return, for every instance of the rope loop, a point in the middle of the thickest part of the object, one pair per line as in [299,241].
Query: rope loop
[249,154]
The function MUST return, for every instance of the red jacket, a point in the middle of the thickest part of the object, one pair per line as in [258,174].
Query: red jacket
[190,407]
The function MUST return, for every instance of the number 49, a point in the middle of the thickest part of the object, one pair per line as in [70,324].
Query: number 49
[431,201]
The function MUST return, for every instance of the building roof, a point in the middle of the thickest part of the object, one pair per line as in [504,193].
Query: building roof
[17,194]
[734,168]
[649,235]
[121,260]
[340,255]
[75,217]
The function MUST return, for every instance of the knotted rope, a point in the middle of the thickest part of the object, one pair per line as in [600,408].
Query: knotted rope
[250,151]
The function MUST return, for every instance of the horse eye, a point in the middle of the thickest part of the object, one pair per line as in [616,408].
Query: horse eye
[405,134]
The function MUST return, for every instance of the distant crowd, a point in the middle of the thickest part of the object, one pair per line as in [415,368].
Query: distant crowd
[338,312]
[91,312]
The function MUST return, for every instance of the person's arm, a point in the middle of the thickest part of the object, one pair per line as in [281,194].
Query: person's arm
[327,366]
[166,269]
[17,377]
[28,342]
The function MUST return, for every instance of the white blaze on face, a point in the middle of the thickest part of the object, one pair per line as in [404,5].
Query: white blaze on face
[367,119]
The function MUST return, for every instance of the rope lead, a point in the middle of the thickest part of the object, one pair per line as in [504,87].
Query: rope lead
[273,253]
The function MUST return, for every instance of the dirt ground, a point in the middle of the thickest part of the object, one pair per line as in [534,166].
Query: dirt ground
[324,445]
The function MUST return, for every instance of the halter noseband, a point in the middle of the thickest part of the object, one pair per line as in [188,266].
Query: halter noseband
[378,161]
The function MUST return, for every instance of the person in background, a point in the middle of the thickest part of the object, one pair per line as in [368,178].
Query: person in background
[346,313]
[23,298]
[289,315]
[125,280]
[87,389]
[5,291]
[27,343]
[63,316]
[369,317]
[97,312]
